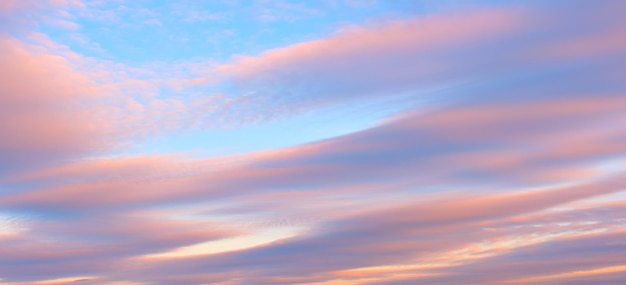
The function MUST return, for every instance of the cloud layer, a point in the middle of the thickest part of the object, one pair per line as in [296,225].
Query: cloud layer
[505,150]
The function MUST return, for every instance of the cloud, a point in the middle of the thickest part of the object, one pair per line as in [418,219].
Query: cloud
[203,16]
[371,171]
[49,120]
[500,173]
[416,237]
[16,15]
[387,58]
[57,105]
[404,59]
[153,22]
[55,249]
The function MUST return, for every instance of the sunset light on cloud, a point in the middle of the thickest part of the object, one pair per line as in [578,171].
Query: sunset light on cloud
[330,142]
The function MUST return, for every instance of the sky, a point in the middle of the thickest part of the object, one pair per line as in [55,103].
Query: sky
[327,142]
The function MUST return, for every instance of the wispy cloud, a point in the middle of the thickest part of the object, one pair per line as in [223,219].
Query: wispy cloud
[519,167]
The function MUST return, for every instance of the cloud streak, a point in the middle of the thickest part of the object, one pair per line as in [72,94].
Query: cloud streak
[521,166]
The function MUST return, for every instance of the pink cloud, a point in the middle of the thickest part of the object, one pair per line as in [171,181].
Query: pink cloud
[478,184]
[529,155]
[377,43]
[363,62]
[100,243]
[46,112]
[403,59]
[15,15]
[374,232]
[423,240]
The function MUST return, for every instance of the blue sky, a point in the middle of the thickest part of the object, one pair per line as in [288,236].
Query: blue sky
[189,33]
